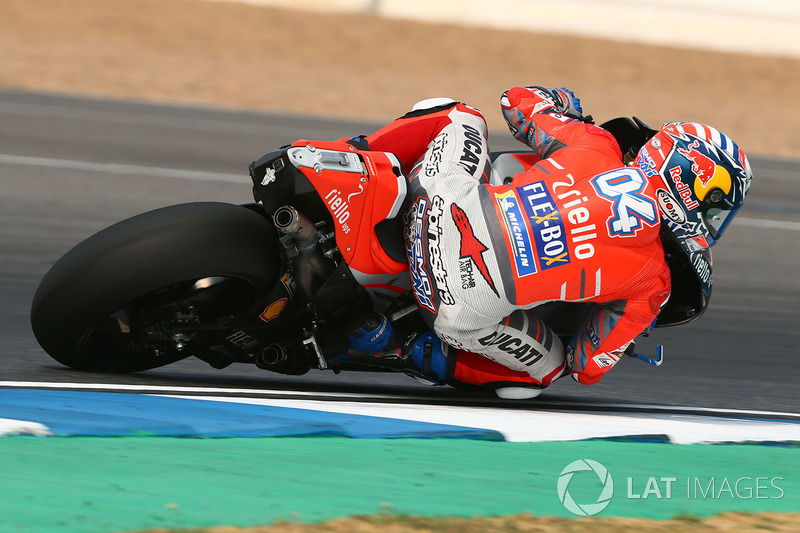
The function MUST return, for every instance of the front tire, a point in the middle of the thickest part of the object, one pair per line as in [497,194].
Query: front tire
[138,264]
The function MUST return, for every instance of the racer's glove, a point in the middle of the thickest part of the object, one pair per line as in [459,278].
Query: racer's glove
[566,102]
[519,104]
[586,363]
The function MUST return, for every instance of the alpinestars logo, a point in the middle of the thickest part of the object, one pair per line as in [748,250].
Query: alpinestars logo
[471,247]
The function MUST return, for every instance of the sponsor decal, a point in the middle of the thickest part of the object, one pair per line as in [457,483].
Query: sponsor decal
[701,241]
[450,341]
[472,148]
[645,162]
[594,338]
[702,268]
[339,207]
[359,191]
[631,209]
[683,190]
[517,231]
[696,163]
[581,233]
[273,310]
[436,154]
[434,238]
[571,356]
[467,272]
[702,166]
[604,360]
[242,340]
[669,206]
[269,176]
[519,349]
[420,279]
[471,252]
[287,280]
[546,224]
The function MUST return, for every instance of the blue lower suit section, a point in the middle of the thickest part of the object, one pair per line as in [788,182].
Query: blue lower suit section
[70,413]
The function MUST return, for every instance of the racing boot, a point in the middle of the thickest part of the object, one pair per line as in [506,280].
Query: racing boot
[377,343]
[427,359]
[434,359]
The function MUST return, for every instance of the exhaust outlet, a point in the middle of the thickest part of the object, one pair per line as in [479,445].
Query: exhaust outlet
[290,222]
[272,355]
[311,267]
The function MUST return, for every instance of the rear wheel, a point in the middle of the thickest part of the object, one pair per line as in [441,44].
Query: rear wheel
[146,291]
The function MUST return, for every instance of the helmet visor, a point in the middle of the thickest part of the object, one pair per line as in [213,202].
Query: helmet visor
[717,212]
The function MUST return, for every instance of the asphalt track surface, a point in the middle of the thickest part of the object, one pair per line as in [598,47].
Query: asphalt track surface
[70,166]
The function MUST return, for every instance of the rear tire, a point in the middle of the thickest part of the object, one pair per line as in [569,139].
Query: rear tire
[121,265]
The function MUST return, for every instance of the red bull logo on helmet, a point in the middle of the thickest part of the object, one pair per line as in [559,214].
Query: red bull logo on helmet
[708,175]
[702,166]
[683,190]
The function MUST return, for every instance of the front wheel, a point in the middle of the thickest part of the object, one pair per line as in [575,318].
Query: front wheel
[130,297]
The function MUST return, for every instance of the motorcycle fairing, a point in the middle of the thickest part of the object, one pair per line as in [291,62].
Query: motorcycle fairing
[360,189]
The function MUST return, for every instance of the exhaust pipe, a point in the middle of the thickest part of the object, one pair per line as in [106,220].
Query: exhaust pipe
[272,355]
[290,222]
[311,267]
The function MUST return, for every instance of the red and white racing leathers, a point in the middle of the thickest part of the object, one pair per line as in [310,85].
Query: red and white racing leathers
[578,226]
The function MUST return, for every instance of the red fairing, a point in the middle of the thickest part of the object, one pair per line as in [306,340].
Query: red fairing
[357,202]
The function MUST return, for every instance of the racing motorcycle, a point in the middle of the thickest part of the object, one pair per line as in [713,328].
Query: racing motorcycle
[277,283]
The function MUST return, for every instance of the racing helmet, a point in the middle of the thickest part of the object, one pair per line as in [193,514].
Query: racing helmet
[705,178]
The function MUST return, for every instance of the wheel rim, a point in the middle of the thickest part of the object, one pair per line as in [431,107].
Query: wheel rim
[166,324]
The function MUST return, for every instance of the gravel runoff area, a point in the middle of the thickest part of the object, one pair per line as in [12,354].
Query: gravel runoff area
[727,522]
[247,56]
[358,66]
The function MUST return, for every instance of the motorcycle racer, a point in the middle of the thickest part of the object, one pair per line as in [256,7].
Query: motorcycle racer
[585,223]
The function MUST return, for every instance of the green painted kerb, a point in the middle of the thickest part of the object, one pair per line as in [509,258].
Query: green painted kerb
[86,485]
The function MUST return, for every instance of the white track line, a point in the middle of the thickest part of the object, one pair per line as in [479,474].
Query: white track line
[49,110]
[767,224]
[542,425]
[114,168]
[196,390]
[311,394]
